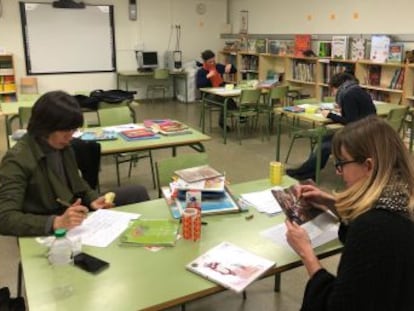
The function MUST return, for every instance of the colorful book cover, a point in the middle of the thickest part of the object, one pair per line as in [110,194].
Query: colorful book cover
[261,45]
[302,43]
[325,49]
[396,53]
[380,47]
[98,136]
[273,47]
[358,48]
[150,122]
[151,232]
[251,45]
[374,75]
[230,266]
[197,173]
[138,133]
[339,47]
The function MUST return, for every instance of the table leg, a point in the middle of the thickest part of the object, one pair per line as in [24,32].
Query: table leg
[203,112]
[411,133]
[278,135]
[225,119]
[318,155]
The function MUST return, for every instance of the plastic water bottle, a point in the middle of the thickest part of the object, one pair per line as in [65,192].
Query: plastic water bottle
[60,257]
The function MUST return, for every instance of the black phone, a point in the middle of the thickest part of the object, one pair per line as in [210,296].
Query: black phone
[89,263]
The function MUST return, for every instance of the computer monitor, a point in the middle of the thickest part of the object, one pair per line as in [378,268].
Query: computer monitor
[149,60]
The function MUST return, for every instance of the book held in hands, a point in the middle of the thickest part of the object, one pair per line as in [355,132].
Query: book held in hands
[230,266]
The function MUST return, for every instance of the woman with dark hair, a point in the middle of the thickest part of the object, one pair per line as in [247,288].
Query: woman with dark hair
[376,210]
[40,173]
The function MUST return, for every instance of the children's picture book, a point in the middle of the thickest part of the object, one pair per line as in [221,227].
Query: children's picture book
[374,75]
[150,232]
[325,48]
[302,43]
[171,128]
[339,47]
[261,45]
[273,47]
[295,208]
[294,109]
[98,136]
[380,46]
[396,53]
[358,48]
[197,173]
[150,122]
[251,45]
[136,134]
[212,203]
[230,266]
[215,184]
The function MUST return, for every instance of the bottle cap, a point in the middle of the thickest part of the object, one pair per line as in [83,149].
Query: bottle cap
[60,233]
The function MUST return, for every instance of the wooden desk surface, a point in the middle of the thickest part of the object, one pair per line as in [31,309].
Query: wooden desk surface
[139,279]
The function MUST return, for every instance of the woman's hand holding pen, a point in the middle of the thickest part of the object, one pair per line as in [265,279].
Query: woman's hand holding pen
[73,216]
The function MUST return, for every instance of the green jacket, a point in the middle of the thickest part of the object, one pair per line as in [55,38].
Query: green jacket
[29,189]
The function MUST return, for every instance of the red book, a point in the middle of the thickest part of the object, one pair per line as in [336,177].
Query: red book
[302,43]
[137,133]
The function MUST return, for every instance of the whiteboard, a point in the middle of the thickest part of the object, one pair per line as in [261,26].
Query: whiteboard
[68,40]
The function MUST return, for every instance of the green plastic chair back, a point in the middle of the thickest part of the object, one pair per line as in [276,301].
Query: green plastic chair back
[328,99]
[396,117]
[310,100]
[250,96]
[165,168]
[115,116]
[279,94]
[161,73]
[24,116]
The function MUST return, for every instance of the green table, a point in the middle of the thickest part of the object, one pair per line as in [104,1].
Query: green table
[138,279]
[318,120]
[125,76]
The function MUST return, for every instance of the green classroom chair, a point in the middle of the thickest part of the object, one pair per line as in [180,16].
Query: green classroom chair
[123,115]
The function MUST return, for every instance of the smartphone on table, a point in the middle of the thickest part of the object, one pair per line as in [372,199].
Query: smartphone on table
[89,263]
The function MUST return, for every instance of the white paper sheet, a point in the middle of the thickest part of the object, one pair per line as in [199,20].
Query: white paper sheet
[321,230]
[102,227]
[263,201]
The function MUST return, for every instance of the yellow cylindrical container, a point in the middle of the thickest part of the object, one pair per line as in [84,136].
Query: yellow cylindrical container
[275,173]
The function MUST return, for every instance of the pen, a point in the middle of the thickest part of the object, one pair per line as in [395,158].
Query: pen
[62,202]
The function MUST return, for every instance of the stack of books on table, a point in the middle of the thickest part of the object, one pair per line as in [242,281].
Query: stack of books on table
[215,196]
[167,127]
[138,134]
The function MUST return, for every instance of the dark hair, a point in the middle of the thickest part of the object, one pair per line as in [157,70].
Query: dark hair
[340,78]
[207,54]
[54,111]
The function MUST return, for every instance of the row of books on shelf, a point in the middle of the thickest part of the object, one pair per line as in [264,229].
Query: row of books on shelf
[397,79]
[331,69]
[378,49]
[249,62]
[8,98]
[304,71]
[6,79]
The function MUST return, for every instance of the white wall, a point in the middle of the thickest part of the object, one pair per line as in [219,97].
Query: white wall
[325,16]
[152,29]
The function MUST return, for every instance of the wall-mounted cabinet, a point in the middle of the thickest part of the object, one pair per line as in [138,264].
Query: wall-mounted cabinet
[8,90]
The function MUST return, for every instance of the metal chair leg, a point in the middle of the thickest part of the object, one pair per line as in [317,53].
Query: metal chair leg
[19,279]
[277,282]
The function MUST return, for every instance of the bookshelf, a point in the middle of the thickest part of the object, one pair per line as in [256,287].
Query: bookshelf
[271,63]
[302,72]
[248,66]
[408,86]
[8,91]
[228,57]
[379,79]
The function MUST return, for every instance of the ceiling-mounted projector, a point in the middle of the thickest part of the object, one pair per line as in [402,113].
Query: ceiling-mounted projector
[68,4]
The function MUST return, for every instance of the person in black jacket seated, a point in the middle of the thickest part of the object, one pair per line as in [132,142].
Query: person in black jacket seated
[376,211]
[211,75]
[354,103]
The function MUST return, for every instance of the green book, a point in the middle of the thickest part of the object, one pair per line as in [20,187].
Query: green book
[150,232]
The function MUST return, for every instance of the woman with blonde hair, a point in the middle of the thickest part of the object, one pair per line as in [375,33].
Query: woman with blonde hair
[376,269]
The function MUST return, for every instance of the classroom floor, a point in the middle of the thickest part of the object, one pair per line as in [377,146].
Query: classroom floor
[244,162]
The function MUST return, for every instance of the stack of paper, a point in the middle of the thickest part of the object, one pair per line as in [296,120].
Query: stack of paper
[263,201]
